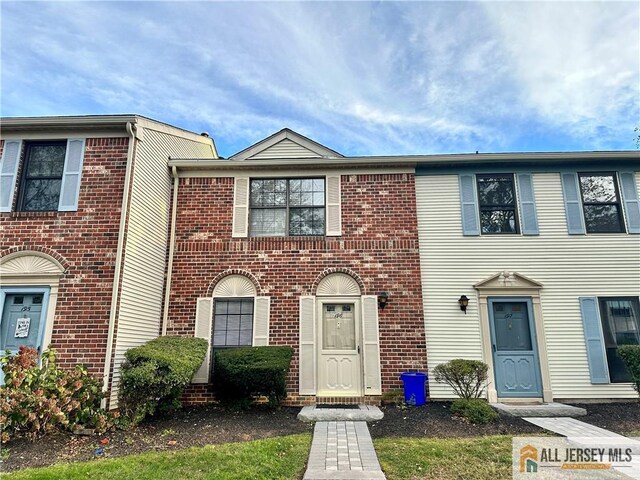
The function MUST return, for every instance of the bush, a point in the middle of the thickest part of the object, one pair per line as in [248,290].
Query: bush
[37,399]
[155,374]
[475,410]
[630,355]
[242,373]
[467,377]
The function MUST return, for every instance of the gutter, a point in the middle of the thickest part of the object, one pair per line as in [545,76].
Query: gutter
[403,160]
[172,243]
[130,126]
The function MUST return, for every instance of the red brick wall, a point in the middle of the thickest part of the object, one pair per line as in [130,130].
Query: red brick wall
[379,244]
[85,242]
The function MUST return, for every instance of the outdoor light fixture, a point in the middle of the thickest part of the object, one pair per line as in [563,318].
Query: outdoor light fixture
[382,300]
[464,302]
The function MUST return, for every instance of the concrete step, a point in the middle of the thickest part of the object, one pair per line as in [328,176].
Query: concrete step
[364,413]
[552,409]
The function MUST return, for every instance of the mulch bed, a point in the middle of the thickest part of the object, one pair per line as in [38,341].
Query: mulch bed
[622,418]
[435,420]
[198,426]
[191,427]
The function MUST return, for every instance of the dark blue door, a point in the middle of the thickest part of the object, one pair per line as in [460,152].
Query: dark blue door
[515,353]
[22,321]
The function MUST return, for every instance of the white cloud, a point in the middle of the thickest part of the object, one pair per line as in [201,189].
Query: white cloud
[364,78]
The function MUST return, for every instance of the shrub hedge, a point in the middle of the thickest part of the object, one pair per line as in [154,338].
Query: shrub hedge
[475,410]
[245,372]
[630,355]
[468,378]
[155,374]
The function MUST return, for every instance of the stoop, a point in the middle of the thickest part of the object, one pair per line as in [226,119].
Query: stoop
[364,413]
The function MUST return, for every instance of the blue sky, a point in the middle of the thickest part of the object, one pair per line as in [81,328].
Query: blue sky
[363,78]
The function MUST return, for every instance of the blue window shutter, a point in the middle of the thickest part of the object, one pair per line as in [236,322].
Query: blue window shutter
[469,205]
[572,203]
[70,188]
[596,354]
[527,204]
[630,200]
[8,173]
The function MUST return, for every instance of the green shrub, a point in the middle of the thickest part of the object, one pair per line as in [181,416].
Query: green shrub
[630,355]
[39,398]
[475,410]
[155,374]
[242,373]
[468,378]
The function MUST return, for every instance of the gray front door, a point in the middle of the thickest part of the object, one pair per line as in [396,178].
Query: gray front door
[514,345]
[22,322]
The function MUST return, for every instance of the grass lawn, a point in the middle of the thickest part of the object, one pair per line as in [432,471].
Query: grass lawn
[475,458]
[274,458]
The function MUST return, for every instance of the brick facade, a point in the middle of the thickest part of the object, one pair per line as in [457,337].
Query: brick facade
[379,246]
[85,242]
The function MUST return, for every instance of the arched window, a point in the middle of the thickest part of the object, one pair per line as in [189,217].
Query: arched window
[233,312]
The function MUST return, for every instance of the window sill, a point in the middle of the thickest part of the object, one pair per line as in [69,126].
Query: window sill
[34,214]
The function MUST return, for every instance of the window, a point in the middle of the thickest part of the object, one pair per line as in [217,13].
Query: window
[42,176]
[601,203]
[620,318]
[233,322]
[497,203]
[281,207]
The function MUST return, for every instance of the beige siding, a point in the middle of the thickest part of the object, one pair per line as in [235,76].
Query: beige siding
[285,149]
[567,266]
[144,266]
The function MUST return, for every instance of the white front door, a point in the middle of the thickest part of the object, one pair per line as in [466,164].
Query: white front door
[339,366]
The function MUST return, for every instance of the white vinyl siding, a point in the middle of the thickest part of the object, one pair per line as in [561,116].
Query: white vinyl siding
[285,149]
[568,266]
[143,273]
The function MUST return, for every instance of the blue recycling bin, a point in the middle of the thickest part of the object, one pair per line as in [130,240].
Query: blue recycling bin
[414,387]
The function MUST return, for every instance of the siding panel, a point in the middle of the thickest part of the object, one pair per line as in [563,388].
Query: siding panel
[143,272]
[285,149]
[567,266]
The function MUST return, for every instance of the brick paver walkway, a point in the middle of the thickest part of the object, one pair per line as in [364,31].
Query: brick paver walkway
[342,451]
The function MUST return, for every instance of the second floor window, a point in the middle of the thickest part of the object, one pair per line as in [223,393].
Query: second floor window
[497,203]
[601,203]
[287,207]
[42,176]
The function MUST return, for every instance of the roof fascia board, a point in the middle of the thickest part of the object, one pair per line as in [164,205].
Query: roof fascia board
[407,160]
[277,137]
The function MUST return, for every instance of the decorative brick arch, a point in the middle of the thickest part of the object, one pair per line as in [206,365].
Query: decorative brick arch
[233,271]
[346,271]
[66,265]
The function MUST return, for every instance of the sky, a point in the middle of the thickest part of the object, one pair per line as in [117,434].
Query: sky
[362,78]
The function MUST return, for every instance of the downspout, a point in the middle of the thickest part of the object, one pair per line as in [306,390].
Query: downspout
[172,243]
[119,254]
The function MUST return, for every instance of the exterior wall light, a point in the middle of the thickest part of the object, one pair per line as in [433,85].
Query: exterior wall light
[383,297]
[464,302]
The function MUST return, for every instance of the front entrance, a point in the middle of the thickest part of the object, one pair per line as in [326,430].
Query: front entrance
[22,322]
[514,346]
[339,366]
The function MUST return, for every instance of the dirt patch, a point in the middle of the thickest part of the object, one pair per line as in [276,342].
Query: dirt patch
[195,426]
